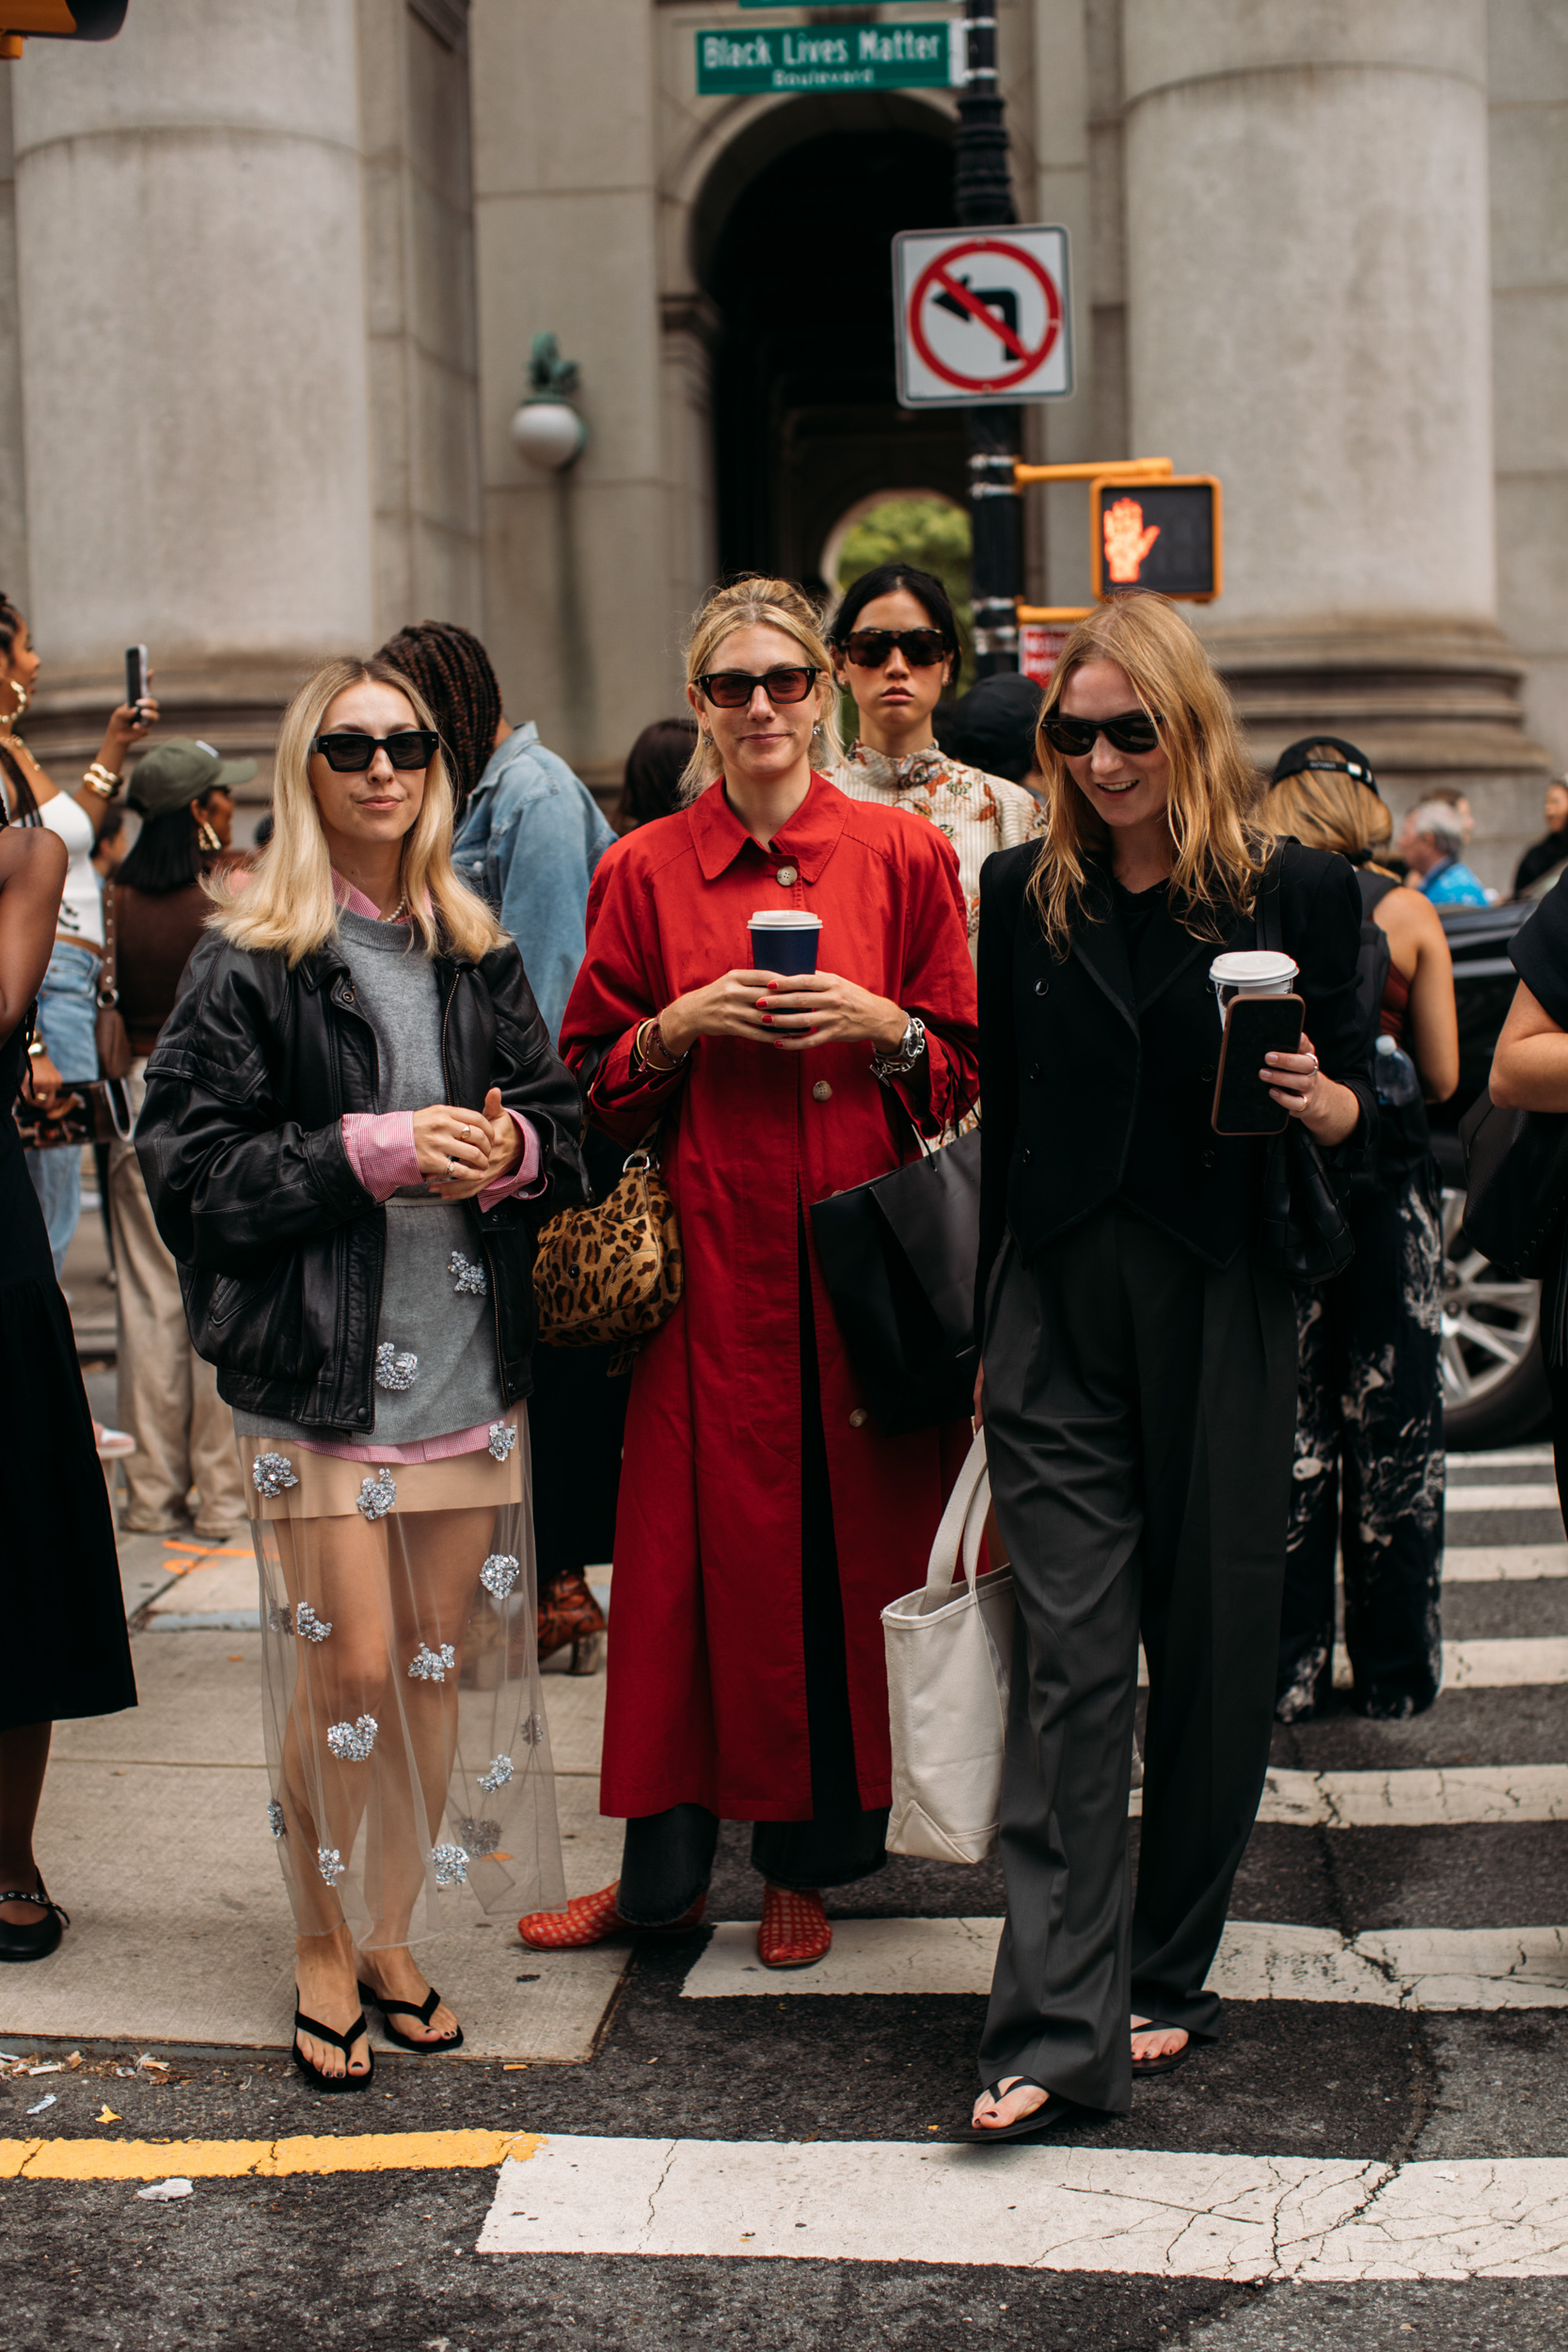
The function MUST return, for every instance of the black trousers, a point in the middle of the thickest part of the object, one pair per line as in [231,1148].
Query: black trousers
[1138,1406]
[668,1857]
[1368,1465]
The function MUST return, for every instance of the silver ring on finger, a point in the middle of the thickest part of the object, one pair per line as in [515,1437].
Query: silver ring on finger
[452,1167]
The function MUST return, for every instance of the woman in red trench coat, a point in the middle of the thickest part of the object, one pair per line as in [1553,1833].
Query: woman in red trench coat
[764,1520]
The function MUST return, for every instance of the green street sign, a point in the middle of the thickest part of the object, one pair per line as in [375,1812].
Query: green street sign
[861,56]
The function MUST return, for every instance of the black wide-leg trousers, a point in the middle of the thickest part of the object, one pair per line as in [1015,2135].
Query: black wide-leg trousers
[1139,1409]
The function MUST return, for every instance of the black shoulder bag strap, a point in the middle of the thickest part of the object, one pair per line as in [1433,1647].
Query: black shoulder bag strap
[1302,1233]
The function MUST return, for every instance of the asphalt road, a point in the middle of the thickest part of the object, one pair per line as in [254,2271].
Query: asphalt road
[389,2259]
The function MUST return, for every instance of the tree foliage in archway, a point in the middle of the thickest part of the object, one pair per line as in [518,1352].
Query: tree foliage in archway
[928,533]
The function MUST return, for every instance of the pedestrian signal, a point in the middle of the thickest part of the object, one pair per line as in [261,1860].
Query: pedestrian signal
[58,20]
[1163,535]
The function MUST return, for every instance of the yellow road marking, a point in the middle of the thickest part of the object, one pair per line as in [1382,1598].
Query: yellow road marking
[262,2159]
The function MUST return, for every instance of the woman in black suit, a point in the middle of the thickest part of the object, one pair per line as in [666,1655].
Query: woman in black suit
[1139,1352]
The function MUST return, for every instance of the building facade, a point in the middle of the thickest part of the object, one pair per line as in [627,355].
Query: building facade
[269,277]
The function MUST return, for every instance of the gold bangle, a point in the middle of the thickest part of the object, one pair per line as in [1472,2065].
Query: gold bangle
[102,780]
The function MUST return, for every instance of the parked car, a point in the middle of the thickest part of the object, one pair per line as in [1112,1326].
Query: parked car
[1494,1381]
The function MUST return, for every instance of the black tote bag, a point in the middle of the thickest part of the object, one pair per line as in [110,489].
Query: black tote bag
[898,1256]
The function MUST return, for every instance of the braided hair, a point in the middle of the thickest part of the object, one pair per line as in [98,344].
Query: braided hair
[26,810]
[452,672]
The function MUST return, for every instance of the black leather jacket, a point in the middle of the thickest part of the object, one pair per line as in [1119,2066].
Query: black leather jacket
[280,1249]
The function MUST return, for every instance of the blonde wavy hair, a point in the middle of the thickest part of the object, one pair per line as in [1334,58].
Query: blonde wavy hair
[288,907]
[1220,847]
[1329,810]
[753,601]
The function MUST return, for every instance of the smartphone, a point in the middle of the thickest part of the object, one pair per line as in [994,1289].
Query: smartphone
[138,675]
[1254,1026]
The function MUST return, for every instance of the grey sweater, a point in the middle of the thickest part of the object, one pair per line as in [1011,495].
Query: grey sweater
[453,1383]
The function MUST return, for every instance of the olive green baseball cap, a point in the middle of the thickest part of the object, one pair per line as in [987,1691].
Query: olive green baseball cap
[178,770]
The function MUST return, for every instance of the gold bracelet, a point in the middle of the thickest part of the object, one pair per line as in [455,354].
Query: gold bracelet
[102,780]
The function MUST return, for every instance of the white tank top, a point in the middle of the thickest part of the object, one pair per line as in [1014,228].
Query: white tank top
[81,915]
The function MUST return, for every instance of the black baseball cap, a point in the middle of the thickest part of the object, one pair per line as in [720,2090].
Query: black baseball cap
[993,725]
[1292,761]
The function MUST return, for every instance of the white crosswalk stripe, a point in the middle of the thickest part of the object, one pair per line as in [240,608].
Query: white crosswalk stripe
[1462,1500]
[1426,1968]
[1499,1666]
[1503,1564]
[1063,2209]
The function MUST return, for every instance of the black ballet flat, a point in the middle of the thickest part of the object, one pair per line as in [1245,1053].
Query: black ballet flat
[345,2042]
[424,2010]
[1143,2068]
[20,1942]
[1047,2119]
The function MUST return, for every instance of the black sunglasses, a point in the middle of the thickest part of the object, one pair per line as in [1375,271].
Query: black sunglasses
[1130,731]
[732,689]
[350,753]
[870,648]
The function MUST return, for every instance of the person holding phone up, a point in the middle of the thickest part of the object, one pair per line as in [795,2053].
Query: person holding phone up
[1139,1352]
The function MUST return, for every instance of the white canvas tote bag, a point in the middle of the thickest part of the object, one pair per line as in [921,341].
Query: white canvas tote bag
[948,1654]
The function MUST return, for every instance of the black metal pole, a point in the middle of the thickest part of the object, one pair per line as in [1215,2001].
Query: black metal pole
[983,198]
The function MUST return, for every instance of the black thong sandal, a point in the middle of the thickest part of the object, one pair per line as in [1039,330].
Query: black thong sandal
[1055,2112]
[1143,2068]
[344,2041]
[424,2010]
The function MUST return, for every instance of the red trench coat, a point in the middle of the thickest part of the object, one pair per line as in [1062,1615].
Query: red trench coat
[706,1700]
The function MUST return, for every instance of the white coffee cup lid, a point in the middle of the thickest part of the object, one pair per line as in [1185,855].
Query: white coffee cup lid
[784,919]
[1253,967]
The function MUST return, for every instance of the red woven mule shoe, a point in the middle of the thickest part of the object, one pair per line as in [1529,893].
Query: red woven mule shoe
[593,1920]
[795,1930]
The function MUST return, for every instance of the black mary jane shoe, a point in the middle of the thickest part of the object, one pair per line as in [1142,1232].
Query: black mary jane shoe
[20,1941]
[1143,2068]
[345,2042]
[1046,2119]
[424,2010]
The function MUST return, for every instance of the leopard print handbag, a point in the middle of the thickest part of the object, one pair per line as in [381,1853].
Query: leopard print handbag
[609,1275]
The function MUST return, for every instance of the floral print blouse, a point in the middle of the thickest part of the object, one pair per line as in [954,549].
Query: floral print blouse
[977,813]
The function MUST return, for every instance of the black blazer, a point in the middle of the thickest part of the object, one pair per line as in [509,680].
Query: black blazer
[1096,1088]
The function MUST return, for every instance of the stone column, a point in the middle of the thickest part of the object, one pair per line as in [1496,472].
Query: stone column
[1309,299]
[582,612]
[1530,330]
[192,357]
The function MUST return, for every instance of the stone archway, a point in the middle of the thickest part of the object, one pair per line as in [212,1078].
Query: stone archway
[793,252]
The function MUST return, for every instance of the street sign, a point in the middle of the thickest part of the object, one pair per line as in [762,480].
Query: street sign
[1039,647]
[984,316]
[929,55]
[1164,535]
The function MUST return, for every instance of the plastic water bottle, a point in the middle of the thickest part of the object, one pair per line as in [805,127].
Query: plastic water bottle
[1397,1079]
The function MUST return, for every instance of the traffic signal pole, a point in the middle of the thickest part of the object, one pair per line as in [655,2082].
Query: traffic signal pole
[983,198]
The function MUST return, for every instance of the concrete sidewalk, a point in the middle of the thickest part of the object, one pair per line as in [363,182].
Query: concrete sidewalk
[154,1836]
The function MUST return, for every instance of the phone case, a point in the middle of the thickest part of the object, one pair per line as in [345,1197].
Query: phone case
[1254,1026]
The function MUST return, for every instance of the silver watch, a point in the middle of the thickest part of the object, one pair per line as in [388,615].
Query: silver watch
[910,1046]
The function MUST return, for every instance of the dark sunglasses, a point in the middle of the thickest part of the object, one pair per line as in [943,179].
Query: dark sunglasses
[732,689]
[349,753]
[1130,731]
[870,648]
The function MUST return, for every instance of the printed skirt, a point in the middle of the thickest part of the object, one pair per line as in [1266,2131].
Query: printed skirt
[406,1742]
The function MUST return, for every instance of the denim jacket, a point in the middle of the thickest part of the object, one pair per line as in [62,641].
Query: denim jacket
[528,842]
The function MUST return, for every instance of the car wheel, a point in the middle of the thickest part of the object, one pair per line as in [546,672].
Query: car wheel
[1494,1381]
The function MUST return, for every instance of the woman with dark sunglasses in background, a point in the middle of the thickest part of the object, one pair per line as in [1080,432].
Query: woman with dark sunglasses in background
[1139,1350]
[896,651]
[354,1120]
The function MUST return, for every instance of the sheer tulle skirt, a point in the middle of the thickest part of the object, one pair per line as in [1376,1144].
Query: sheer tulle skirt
[406,1742]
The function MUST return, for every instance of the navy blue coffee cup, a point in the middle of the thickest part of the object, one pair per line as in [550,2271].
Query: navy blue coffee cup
[785,942]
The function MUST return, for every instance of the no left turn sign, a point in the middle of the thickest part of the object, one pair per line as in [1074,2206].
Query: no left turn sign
[983,316]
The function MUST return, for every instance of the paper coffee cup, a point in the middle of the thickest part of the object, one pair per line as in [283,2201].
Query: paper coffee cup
[1251,972]
[784,939]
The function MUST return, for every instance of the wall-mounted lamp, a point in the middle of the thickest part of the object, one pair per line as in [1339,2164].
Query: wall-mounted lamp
[546,428]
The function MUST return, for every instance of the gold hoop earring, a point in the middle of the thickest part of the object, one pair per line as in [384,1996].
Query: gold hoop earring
[20,692]
[206,837]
